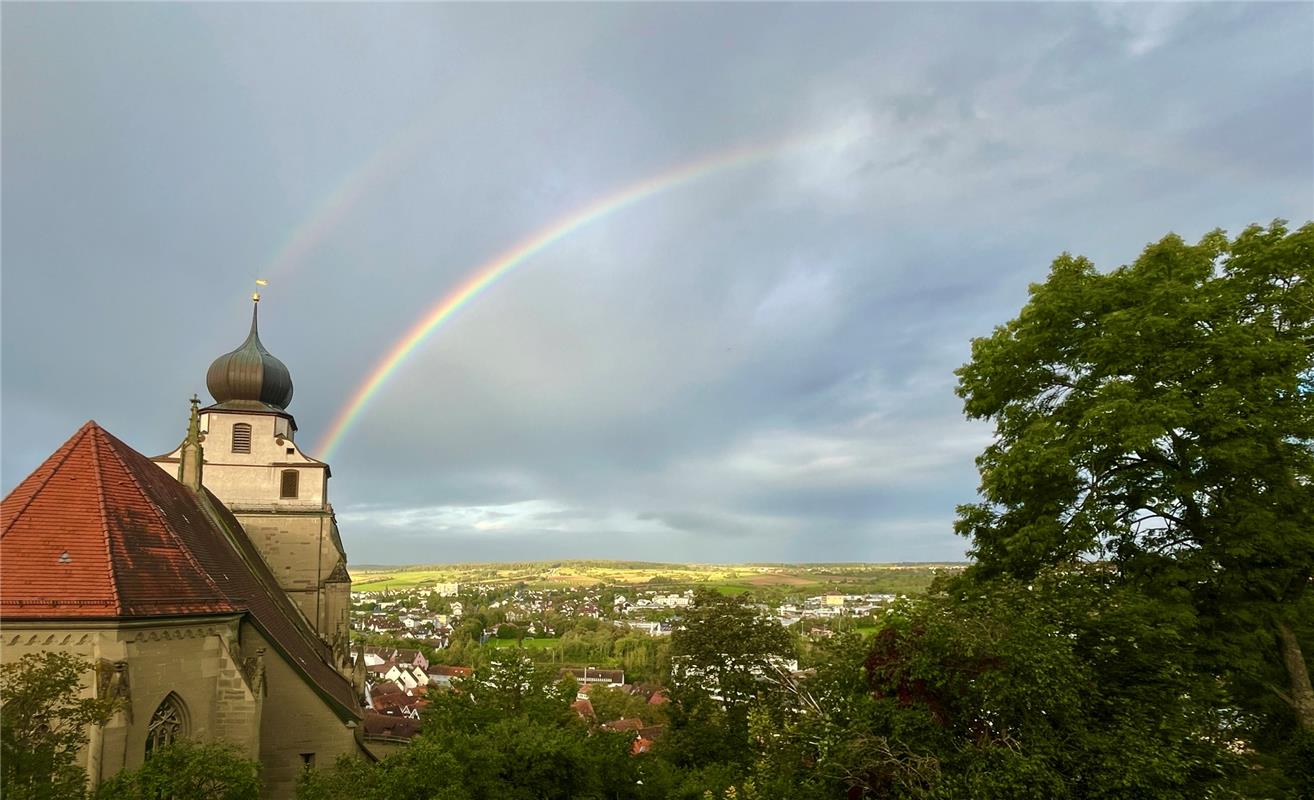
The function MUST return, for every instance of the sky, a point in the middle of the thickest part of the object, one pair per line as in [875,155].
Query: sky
[753,364]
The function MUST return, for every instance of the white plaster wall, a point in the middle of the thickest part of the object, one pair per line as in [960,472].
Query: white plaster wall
[255,478]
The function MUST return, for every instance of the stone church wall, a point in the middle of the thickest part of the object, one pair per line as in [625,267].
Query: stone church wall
[301,553]
[198,662]
[298,729]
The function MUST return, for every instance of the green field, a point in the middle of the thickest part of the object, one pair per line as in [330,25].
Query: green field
[528,644]
[725,578]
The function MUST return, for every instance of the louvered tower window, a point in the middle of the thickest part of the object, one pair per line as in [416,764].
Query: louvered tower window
[241,438]
[168,724]
[289,483]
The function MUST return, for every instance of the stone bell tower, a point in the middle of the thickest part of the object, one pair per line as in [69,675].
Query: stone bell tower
[278,493]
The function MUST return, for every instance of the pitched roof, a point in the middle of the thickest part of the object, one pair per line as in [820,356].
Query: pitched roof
[386,727]
[82,537]
[583,707]
[140,544]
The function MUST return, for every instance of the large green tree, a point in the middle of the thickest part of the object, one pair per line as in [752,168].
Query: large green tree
[1159,418]
[725,646]
[726,656]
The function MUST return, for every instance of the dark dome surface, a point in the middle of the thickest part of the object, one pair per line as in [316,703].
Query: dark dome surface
[249,378]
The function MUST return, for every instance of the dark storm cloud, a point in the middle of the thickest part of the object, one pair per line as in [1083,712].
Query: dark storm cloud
[699,522]
[754,366]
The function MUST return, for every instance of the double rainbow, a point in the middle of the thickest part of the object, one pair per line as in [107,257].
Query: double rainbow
[488,273]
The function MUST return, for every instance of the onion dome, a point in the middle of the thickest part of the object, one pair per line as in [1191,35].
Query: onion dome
[249,378]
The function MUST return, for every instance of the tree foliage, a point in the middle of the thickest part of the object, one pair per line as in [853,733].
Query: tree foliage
[194,770]
[44,722]
[1160,417]
[507,731]
[613,703]
[725,647]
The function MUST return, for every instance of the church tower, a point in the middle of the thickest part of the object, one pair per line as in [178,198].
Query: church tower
[279,494]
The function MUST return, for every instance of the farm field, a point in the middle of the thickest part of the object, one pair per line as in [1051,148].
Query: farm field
[776,579]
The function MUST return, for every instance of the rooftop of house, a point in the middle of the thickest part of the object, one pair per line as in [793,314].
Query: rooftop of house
[584,708]
[382,726]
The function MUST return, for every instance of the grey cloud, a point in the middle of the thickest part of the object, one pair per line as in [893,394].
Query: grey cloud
[700,522]
[756,364]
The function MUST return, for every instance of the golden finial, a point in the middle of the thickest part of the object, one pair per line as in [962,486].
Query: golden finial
[259,282]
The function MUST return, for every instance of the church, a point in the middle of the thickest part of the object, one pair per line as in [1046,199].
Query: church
[207,587]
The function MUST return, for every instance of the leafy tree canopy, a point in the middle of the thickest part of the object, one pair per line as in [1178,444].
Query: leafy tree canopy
[194,770]
[725,646]
[1160,418]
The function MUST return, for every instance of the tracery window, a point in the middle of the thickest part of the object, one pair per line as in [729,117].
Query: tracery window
[168,723]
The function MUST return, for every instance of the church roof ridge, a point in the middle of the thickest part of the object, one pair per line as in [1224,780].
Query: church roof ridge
[39,480]
[104,514]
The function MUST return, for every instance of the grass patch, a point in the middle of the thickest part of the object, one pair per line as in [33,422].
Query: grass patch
[527,644]
[731,589]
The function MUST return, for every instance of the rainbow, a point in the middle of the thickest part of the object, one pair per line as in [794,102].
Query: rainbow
[488,273]
[330,212]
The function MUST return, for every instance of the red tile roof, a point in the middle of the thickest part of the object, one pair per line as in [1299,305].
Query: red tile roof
[383,689]
[584,708]
[385,727]
[140,544]
[83,537]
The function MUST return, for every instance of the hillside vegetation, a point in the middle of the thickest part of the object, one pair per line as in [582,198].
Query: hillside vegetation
[902,578]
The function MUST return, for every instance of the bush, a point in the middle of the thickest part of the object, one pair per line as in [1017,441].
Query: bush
[187,769]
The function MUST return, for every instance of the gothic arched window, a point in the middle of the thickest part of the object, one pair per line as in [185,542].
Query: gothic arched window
[241,438]
[168,723]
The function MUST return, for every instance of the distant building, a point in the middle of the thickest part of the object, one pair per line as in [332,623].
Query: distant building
[589,676]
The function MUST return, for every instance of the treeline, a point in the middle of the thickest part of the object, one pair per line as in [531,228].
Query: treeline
[1071,685]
